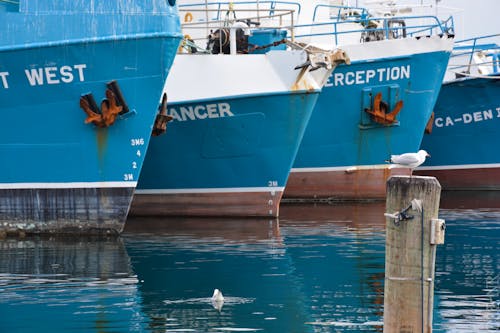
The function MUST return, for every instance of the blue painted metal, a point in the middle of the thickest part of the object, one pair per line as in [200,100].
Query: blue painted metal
[254,148]
[266,37]
[467,112]
[58,173]
[343,152]
[467,117]
[341,134]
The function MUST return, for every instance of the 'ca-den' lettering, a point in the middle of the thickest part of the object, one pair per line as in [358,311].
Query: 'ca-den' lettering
[184,113]
[467,118]
[369,76]
[3,77]
[55,75]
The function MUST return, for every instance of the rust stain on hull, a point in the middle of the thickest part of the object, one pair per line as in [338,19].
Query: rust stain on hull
[261,204]
[360,184]
[465,179]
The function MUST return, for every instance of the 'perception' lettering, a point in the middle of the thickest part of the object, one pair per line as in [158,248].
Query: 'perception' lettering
[369,76]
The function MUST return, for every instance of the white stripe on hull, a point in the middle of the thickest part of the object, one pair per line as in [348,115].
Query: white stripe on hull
[460,166]
[211,190]
[346,168]
[11,186]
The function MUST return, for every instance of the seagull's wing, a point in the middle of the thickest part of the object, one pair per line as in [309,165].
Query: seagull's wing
[405,159]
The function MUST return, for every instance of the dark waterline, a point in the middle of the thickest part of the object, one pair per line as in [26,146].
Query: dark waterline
[320,268]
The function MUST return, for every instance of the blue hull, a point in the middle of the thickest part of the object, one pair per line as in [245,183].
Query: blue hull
[60,174]
[464,133]
[343,150]
[235,162]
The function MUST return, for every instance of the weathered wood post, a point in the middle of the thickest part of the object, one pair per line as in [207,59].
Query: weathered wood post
[412,206]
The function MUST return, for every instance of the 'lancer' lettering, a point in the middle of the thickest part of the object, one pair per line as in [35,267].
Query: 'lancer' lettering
[183,113]
[369,76]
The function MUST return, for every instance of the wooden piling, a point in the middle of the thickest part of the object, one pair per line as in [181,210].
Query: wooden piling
[410,256]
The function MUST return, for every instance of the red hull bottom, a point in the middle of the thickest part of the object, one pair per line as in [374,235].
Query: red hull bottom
[242,204]
[465,179]
[355,184]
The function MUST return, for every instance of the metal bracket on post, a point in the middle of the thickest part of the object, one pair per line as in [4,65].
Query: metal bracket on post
[397,217]
[438,227]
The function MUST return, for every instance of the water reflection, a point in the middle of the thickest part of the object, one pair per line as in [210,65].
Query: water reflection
[301,274]
[320,268]
[339,257]
[180,262]
[468,272]
[473,200]
[53,284]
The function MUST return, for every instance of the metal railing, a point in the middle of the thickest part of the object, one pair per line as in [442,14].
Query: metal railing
[267,8]
[481,56]
[341,21]
[204,23]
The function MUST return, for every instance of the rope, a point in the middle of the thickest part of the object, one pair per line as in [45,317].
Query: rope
[188,45]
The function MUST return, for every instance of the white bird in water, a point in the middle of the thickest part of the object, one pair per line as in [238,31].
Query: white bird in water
[217,296]
[217,299]
[409,160]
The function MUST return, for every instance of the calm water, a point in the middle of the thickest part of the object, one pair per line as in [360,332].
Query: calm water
[318,269]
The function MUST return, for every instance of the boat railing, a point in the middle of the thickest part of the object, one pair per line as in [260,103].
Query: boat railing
[266,8]
[369,28]
[342,25]
[203,24]
[477,57]
[339,13]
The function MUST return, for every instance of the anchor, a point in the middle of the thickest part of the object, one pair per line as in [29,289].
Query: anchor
[380,113]
[162,118]
[113,105]
[430,122]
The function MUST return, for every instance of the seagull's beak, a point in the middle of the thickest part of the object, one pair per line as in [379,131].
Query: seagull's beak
[428,155]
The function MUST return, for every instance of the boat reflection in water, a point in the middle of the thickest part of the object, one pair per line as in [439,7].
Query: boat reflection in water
[473,200]
[320,268]
[289,276]
[467,297]
[67,284]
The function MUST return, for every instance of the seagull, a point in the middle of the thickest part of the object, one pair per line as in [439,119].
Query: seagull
[217,296]
[217,300]
[409,160]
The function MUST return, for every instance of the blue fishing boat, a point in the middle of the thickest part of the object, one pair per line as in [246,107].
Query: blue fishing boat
[375,107]
[238,116]
[80,84]
[464,128]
